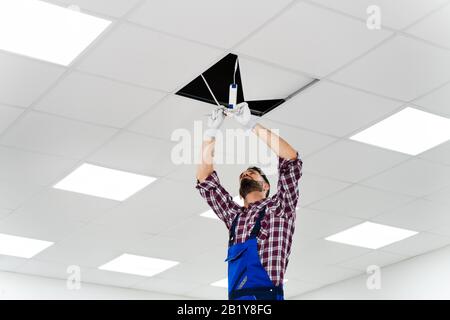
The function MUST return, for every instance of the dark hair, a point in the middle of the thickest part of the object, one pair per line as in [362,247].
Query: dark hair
[263,176]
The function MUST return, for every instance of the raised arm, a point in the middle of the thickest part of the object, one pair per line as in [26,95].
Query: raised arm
[278,145]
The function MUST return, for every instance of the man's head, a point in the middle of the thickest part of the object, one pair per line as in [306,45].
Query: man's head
[253,179]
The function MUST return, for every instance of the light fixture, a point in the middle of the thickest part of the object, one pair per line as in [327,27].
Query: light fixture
[138,265]
[21,247]
[371,235]
[104,182]
[46,31]
[410,131]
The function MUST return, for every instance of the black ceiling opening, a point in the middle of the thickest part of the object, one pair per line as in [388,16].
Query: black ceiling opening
[219,78]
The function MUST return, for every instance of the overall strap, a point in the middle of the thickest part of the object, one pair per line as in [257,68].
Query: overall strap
[233,230]
[257,225]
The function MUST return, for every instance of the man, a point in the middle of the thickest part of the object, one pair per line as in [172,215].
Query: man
[260,231]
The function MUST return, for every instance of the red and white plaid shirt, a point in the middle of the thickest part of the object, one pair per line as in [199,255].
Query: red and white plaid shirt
[278,225]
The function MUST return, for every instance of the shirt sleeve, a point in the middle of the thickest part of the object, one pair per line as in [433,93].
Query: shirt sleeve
[220,201]
[290,172]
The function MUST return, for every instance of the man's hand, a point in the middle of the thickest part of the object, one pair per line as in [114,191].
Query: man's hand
[244,116]
[214,122]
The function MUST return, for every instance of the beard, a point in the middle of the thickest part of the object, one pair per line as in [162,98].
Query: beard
[249,185]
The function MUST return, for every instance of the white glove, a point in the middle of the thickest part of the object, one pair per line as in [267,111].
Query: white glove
[244,116]
[215,120]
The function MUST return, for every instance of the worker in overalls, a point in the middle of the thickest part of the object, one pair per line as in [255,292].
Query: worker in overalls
[260,232]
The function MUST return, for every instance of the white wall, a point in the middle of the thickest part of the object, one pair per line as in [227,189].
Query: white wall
[423,277]
[20,286]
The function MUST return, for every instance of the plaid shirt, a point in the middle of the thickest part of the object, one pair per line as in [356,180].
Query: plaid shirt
[278,225]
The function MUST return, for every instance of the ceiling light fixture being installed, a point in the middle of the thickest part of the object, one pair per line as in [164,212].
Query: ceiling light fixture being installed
[46,31]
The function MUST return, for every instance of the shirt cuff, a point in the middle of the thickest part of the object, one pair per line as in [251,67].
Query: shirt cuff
[212,181]
[286,164]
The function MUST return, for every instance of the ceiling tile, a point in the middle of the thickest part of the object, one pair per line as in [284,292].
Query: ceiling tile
[418,244]
[436,101]
[135,153]
[30,167]
[4,213]
[418,215]
[352,161]
[293,288]
[116,8]
[110,278]
[442,196]
[377,258]
[13,194]
[318,225]
[415,177]
[402,68]
[440,154]
[188,19]
[148,58]
[361,202]
[47,226]
[333,109]
[8,115]
[69,206]
[167,286]
[23,80]
[10,263]
[197,273]
[314,188]
[45,269]
[434,28]
[337,40]
[393,13]
[98,100]
[208,292]
[54,135]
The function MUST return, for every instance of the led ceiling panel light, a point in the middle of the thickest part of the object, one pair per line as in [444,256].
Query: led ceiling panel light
[104,182]
[138,265]
[45,31]
[410,131]
[371,235]
[21,247]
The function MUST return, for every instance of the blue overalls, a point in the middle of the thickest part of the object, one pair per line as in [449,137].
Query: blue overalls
[247,278]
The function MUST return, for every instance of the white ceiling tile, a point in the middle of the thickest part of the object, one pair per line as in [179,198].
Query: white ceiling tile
[208,292]
[333,109]
[434,28]
[4,213]
[441,230]
[94,99]
[110,278]
[336,40]
[54,135]
[45,269]
[314,188]
[30,167]
[148,58]
[10,263]
[13,194]
[323,252]
[442,196]
[361,202]
[261,81]
[151,211]
[396,14]
[23,80]
[351,161]
[116,8]
[135,153]
[8,115]
[167,286]
[316,225]
[293,288]
[440,154]
[415,177]
[207,21]
[376,257]
[47,226]
[419,215]
[436,101]
[69,206]
[402,68]
[418,244]
[197,272]
[173,113]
